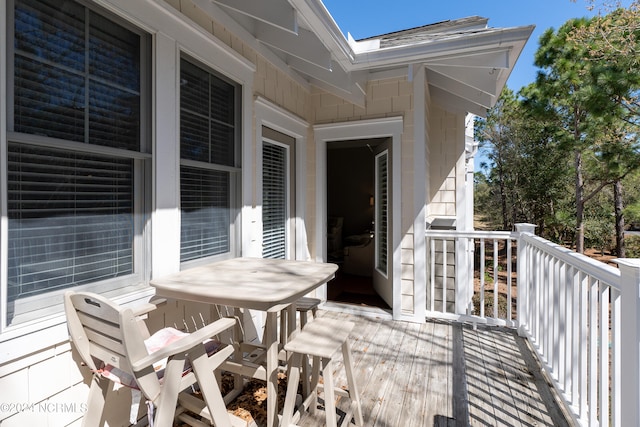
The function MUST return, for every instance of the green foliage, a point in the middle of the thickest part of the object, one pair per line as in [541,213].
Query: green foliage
[557,147]
[632,213]
[528,173]
[599,234]
[489,304]
[633,246]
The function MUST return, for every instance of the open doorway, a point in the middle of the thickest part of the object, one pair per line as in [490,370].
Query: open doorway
[353,236]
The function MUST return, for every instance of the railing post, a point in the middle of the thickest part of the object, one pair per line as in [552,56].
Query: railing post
[463,283]
[630,332]
[522,281]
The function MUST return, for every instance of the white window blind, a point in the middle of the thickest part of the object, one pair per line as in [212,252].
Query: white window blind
[70,219]
[205,219]
[274,200]
[208,135]
[382,209]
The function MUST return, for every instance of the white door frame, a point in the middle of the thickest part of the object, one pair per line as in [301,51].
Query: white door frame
[390,127]
[272,116]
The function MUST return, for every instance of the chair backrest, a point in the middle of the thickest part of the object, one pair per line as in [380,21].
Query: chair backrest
[107,334]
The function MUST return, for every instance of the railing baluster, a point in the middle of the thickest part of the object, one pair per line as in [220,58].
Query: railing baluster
[584,353]
[547,325]
[482,262]
[433,274]
[495,278]
[444,275]
[603,374]
[569,331]
[593,351]
[553,332]
[536,299]
[509,283]
[561,324]
[616,354]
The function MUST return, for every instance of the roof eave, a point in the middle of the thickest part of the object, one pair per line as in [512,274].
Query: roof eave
[515,37]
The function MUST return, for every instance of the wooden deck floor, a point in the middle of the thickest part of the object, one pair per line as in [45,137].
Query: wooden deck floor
[444,374]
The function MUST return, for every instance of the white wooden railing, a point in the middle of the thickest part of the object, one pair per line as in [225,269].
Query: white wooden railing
[581,316]
[480,281]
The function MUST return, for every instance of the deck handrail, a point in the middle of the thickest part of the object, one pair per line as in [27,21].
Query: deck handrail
[581,316]
[599,270]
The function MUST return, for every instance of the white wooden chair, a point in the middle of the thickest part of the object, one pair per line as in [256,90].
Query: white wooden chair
[321,339]
[113,342]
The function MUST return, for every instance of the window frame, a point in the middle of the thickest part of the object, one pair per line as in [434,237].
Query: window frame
[141,179]
[235,171]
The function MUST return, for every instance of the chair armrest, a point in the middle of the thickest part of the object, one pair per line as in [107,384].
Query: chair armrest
[146,308]
[184,344]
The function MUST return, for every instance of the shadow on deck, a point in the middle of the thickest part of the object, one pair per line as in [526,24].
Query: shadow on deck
[445,374]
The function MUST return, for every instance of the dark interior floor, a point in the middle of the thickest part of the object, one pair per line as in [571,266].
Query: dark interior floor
[357,290]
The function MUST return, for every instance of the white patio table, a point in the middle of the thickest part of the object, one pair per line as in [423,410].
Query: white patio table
[268,285]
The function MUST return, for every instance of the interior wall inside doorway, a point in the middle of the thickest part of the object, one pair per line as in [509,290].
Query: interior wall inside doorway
[350,186]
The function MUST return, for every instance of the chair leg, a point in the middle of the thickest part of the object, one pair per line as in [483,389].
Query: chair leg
[329,393]
[209,387]
[306,373]
[293,376]
[168,399]
[283,326]
[303,318]
[306,366]
[98,391]
[351,383]
[315,381]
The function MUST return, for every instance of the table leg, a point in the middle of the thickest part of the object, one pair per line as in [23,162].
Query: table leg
[238,335]
[271,341]
[292,323]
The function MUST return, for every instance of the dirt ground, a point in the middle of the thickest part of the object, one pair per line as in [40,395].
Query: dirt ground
[251,405]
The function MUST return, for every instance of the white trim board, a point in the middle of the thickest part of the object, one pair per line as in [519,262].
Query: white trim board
[270,115]
[391,127]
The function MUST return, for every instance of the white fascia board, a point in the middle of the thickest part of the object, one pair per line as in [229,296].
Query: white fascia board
[485,58]
[465,44]
[279,14]
[305,45]
[363,46]
[454,103]
[461,88]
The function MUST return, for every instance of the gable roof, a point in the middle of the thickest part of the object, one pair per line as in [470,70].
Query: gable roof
[467,62]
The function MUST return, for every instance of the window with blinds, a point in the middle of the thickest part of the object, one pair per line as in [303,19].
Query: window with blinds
[205,218]
[382,210]
[208,135]
[274,200]
[70,219]
[78,77]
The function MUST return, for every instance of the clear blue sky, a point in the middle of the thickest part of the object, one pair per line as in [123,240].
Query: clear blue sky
[365,18]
